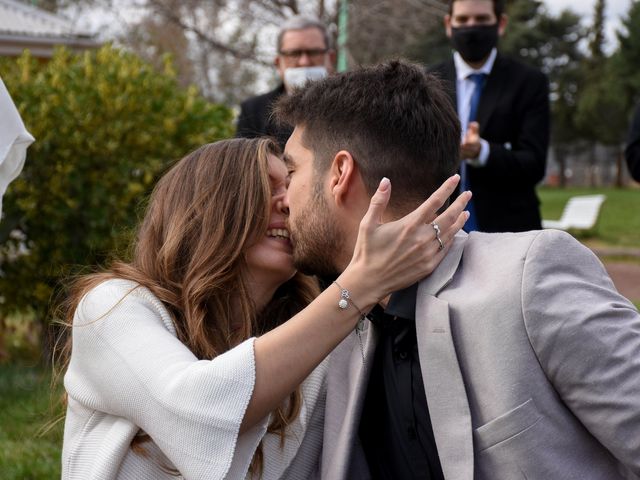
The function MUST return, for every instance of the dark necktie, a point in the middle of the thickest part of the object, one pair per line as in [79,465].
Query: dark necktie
[478,83]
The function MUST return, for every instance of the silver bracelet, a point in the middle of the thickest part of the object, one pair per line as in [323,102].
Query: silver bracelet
[345,299]
[343,304]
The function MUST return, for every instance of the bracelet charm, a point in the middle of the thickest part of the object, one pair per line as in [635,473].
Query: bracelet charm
[344,298]
[343,304]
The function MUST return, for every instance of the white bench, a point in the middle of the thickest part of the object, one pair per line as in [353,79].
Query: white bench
[580,213]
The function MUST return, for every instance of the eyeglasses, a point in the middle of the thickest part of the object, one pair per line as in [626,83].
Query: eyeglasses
[311,53]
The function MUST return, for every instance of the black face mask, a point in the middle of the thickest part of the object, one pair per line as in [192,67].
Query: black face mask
[474,43]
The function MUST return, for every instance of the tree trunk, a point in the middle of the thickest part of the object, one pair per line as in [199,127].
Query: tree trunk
[592,166]
[561,160]
[4,355]
[620,167]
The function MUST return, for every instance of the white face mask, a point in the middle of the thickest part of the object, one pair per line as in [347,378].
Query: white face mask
[298,77]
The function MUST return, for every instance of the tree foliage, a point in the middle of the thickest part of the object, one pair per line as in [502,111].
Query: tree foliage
[227,47]
[625,61]
[600,113]
[392,28]
[106,126]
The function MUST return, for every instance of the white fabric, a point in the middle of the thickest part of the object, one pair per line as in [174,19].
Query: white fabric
[465,88]
[14,140]
[129,372]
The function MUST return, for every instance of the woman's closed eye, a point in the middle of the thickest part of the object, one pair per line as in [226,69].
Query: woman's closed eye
[288,177]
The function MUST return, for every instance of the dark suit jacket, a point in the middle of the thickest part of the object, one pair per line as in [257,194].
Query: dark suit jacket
[632,151]
[255,118]
[514,118]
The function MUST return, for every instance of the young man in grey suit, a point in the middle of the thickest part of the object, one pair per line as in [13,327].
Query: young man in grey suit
[516,358]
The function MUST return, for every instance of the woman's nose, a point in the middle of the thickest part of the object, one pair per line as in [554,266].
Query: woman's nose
[282,208]
[280,204]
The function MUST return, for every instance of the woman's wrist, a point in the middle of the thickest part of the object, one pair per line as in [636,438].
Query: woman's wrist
[347,301]
[361,288]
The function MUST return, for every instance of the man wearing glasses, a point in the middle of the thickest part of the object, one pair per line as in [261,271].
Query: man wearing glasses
[304,54]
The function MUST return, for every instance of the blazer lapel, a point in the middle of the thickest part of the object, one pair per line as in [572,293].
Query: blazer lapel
[491,93]
[346,389]
[443,383]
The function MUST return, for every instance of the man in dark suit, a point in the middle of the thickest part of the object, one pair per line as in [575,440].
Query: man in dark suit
[632,152]
[304,54]
[503,107]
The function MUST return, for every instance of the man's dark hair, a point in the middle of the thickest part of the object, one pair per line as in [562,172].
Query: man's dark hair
[498,7]
[395,119]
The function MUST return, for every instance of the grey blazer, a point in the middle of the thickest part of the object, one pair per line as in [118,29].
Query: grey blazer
[530,360]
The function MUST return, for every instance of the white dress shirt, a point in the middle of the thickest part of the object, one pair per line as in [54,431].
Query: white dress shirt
[465,88]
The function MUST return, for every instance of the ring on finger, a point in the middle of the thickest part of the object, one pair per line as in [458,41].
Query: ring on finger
[436,228]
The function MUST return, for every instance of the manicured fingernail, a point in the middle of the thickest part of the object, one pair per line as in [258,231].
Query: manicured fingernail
[385,183]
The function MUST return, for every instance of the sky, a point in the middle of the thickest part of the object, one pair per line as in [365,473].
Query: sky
[615,9]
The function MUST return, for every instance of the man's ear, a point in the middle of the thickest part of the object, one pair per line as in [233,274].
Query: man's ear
[502,24]
[447,25]
[277,61]
[343,175]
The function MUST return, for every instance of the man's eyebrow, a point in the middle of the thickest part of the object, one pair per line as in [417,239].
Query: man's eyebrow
[288,161]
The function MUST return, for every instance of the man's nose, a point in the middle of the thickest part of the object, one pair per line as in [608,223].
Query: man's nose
[304,60]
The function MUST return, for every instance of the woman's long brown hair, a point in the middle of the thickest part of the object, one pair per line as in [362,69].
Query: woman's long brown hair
[190,253]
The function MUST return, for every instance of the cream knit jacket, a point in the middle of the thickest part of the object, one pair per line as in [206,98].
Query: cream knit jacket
[129,373]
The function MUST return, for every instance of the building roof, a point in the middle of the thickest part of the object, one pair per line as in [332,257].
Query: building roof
[23,26]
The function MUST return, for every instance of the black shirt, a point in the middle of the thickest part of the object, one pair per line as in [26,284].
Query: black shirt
[395,427]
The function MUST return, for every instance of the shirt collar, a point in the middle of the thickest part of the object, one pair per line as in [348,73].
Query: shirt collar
[403,303]
[463,70]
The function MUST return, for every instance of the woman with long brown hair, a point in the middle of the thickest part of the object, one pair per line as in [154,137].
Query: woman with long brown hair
[203,356]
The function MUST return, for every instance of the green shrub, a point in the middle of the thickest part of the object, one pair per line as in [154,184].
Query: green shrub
[20,338]
[107,125]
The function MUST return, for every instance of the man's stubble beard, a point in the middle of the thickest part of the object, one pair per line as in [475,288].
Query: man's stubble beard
[318,241]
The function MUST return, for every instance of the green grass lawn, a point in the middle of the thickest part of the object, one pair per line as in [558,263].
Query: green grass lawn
[619,222]
[25,410]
